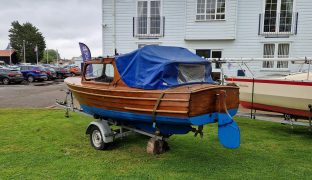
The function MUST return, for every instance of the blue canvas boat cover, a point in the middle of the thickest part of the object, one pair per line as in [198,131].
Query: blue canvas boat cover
[162,67]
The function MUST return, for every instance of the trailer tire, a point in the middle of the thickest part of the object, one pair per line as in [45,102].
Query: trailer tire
[96,139]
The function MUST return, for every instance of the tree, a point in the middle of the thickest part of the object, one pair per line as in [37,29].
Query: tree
[29,34]
[51,56]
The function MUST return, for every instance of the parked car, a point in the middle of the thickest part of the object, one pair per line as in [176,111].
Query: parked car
[8,76]
[50,73]
[32,73]
[74,70]
[62,73]
[13,67]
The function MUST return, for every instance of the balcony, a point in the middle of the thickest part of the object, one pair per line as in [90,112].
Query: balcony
[278,25]
[148,27]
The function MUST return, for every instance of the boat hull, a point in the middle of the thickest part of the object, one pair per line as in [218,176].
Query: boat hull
[282,96]
[178,109]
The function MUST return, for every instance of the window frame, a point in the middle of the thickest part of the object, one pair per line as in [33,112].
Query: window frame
[215,13]
[276,50]
[216,65]
[278,18]
[103,71]
[148,27]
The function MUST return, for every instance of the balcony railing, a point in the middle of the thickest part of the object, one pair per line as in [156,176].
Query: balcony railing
[280,25]
[148,27]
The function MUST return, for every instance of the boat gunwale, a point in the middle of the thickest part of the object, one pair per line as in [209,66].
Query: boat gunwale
[167,91]
[273,81]
[124,97]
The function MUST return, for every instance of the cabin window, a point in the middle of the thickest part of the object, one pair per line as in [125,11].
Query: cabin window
[275,50]
[100,73]
[189,73]
[210,10]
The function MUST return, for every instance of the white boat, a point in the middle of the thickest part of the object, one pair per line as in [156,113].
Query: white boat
[289,95]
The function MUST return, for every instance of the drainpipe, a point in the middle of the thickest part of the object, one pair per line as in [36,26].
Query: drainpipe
[309,69]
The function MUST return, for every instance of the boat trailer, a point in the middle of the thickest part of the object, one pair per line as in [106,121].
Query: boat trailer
[102,134]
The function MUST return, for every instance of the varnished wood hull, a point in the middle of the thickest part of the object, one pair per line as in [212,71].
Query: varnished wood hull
[185,105]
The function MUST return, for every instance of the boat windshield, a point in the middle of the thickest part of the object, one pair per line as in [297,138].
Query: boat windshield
[190,73]
[100,73]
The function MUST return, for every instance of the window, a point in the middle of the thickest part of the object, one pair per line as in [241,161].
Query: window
[148,17]
[100,73]
[210,10]
[208,53]
[189,73]
[278,16]
[204,53]
[216,54]
[275,50]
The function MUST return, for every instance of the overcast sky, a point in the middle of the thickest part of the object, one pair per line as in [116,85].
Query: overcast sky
[63,23]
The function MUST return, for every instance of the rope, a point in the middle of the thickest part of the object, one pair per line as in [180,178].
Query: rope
[154,113]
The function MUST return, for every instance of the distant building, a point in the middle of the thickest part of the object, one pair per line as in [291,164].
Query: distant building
[213,29]
[5,56]
[77,61]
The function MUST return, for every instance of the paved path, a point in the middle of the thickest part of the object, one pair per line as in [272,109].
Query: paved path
[36,95]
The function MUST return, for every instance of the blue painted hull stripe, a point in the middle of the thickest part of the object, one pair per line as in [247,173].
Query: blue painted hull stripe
[119,115]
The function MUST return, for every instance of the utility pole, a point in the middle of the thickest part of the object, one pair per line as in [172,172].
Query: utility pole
[57,57]
[47,56]
[37,53]
[24,51]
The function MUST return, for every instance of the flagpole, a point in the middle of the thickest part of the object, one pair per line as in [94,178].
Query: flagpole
[24,51]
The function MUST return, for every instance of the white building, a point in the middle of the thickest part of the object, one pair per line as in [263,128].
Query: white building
[77,61]
[214,28]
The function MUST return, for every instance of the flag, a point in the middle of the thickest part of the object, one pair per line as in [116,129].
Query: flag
[85,52]
[86,55]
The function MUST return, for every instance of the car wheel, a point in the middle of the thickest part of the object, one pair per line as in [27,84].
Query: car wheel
[96,139]
[30,79]
[6,81]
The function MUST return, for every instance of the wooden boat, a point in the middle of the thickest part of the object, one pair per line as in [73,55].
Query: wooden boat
[290,95]
[166,110]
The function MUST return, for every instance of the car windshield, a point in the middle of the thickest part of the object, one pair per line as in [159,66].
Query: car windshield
[39,68]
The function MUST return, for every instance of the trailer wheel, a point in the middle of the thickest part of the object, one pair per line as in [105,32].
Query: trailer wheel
[96,139]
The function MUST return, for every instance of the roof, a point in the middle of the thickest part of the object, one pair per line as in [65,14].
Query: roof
[6,53]
[157,67]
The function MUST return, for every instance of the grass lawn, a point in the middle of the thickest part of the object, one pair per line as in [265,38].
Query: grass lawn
[40,144]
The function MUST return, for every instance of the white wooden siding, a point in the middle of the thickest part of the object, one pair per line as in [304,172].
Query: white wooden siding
[237,36]
[214,29]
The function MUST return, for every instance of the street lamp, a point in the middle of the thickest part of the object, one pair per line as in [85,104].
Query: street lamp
[10,54]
